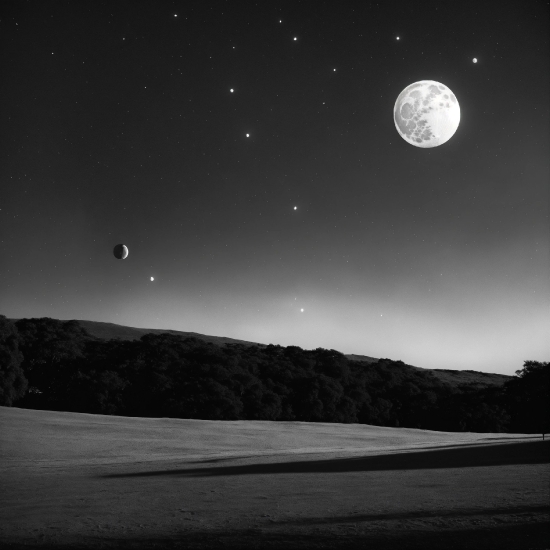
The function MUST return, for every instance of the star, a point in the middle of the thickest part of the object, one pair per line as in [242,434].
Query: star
[474,59]
[301,310]
[247,135]
[295,38]
[295,208]
[231,90]
[152,278]
[175,15]
[397,38]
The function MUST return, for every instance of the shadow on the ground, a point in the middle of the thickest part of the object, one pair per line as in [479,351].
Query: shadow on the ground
[443,514]
[394,451]
[535,452]
[524,536]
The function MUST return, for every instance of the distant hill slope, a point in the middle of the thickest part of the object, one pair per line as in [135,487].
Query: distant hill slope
[452,377]
[107,331]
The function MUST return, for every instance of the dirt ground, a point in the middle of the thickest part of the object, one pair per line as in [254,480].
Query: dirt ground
[89,481]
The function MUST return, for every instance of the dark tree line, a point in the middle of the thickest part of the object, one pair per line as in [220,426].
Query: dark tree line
[56,365]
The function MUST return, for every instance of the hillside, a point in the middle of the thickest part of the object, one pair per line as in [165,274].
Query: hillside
[107,331]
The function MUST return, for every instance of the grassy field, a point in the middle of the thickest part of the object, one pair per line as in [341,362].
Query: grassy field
[89,481]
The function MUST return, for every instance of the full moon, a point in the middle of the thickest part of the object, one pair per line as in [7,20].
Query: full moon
[120,251]
[426,114]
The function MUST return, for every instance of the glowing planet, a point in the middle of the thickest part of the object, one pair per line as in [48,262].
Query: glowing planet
[247,135]
[231,90]
[426,114]
[302,310]
[152,278]
[474,59]
[295,208]
[120,252]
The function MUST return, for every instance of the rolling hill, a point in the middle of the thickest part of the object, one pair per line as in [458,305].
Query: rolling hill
[107,331]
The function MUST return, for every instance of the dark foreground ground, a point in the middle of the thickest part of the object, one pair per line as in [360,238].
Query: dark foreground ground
[523,536]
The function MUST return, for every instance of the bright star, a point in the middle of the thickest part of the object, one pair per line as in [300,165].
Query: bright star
[247,135]
[474,59]
[231,90]
[302,310]
[295,208]
[152,278]
[295,38]
[397,38]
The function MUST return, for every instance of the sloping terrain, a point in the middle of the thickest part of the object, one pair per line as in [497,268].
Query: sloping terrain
[452,377]
[88,481]
[470,377]
[111,330]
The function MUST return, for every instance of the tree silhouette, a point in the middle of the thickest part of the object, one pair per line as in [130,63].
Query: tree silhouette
[529,397]
[13,383]
[174,376]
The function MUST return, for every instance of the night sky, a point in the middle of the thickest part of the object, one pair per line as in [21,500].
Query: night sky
[323,227]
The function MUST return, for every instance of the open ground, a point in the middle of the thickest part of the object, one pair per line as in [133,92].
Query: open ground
[90,481]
